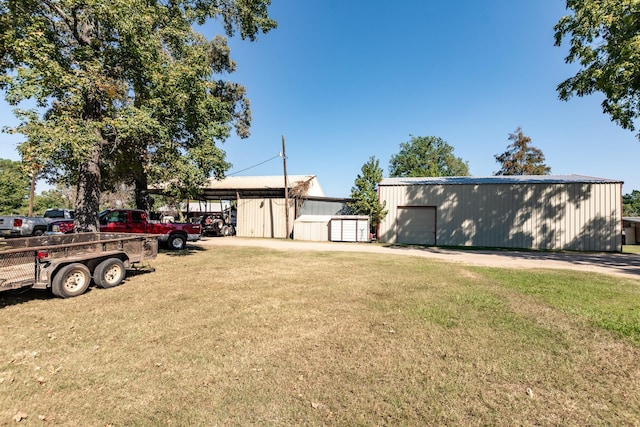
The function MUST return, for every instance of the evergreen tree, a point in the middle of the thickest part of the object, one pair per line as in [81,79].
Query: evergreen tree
[521,158]
[364,194]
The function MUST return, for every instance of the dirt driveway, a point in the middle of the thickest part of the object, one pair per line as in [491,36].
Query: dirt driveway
[616,264]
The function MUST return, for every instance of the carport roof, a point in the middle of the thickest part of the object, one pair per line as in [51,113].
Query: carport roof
[502,179]
[260,186]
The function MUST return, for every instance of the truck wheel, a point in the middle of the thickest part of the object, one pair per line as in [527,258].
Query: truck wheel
[177,242]
[109,273]
[72,280]
[38,232]
[226,231]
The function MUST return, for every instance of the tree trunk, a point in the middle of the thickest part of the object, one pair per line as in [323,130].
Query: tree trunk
[143,199]
[88,197]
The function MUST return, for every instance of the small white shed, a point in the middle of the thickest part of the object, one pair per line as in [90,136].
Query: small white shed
[349,228]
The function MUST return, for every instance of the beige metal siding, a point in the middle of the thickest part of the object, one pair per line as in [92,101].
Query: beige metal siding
[575,216]
[416,225]
[263,218]
[313,228]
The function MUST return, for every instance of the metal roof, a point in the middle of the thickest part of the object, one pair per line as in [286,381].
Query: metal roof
[501,179]
[258,186]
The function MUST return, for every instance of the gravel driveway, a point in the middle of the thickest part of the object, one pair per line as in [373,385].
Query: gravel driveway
[616,264]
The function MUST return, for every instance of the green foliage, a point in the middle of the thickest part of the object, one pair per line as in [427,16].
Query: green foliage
[521,158]
[128,89]
[14,187]
[50,199]
[364,193]
[631,204]
[426,156]
[604,40]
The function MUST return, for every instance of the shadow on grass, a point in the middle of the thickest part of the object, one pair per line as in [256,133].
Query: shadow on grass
[625,262]
[189,250]
[20,296]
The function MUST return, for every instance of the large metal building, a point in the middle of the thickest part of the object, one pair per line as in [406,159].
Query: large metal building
[569,212]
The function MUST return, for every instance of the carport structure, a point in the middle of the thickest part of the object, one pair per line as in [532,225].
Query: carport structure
[261,201]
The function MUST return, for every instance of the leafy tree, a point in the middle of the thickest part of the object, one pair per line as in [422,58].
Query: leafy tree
[120,196]
[49,199]
[426,156]
[364,194]
[128,88]
[631,204]
[521,158]
[603,38]
[14,187]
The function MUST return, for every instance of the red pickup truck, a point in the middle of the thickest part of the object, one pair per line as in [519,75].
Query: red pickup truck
[174,235]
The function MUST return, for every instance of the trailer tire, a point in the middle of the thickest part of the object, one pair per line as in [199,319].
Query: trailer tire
[177,242]
[71,280]
[109,273]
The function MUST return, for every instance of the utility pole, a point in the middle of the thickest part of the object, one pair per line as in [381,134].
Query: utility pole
[286,190]
[32,193]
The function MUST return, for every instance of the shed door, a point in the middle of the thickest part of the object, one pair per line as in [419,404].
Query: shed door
[417,225]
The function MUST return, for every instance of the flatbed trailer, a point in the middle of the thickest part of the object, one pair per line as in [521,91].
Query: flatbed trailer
[68,263]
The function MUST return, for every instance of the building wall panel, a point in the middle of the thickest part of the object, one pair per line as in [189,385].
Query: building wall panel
[263,218]
[314,230]
[573,216]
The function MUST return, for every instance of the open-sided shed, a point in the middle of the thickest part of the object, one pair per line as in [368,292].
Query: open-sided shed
[570,212]
[261,203]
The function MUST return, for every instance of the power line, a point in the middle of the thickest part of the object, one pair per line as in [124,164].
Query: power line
[256,165]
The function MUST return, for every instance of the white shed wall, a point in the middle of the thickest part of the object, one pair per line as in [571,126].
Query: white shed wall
[313,228]
[554,216]
[349,228]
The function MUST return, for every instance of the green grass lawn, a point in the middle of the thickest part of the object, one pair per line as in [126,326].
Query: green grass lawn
[247,336]
[631,249]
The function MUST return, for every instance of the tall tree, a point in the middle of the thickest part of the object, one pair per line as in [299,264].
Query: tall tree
[603,38]
[128,87]
[631,204]
[14,187]
[426,156]
[521,158]
[364,193]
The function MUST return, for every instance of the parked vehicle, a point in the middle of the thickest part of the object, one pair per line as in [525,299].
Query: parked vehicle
[174,234]
[217,224]
[25,226]
[67,264]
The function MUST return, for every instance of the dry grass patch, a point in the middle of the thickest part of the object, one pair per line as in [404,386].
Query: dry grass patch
[252,336]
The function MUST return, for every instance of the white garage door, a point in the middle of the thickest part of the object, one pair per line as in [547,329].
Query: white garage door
[417,225]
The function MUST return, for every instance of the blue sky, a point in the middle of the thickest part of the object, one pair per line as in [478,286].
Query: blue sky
[344,80]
